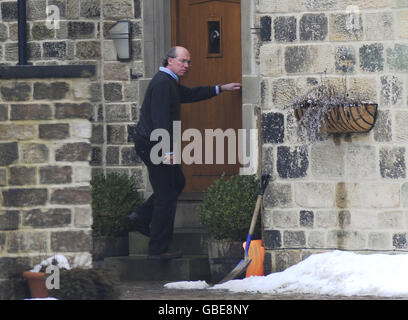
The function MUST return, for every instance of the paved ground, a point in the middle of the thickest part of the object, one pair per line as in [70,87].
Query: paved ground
[156,291]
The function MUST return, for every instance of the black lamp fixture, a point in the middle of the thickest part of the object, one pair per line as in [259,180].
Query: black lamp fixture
[121,32]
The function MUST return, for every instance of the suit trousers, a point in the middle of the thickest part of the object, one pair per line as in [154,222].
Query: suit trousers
[159,210]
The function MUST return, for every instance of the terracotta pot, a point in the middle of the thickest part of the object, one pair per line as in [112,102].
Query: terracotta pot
[36,283]
[256,254]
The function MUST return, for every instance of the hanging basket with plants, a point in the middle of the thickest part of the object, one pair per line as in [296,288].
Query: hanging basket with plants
[326,109]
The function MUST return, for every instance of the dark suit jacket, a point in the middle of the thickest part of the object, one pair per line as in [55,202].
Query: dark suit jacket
[161,105]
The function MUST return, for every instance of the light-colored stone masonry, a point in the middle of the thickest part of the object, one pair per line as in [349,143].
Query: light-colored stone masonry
[348,192]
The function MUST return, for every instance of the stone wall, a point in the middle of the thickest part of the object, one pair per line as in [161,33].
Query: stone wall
[55,133]
[350,191]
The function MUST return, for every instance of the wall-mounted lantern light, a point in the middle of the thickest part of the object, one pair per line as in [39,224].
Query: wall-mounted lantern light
[120,32]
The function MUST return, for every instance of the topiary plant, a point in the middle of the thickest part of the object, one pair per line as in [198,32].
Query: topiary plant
[114,196]
[228,206]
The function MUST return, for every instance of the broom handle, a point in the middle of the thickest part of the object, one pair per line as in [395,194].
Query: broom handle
[255,215]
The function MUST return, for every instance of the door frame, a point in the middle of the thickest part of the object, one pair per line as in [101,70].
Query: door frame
[157,34]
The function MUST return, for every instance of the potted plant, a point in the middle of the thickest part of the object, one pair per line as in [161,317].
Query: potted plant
[114,196]
[73,283]
[226,213]
[327,108]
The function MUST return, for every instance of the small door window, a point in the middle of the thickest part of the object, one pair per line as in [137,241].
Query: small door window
[214,48]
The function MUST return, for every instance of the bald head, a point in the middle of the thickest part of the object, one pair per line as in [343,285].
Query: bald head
[178,60]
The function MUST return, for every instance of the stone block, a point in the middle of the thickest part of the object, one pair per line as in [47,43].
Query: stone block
[308,59]
[24,197]
[83,217]
[50,218]
[399,240]
[8,153]
[390,219]
[81,30]
[361,162]
[131,91]
[118,9]
[400,126]
[383,130]
[372,57]
[4,112]
[55,175]
[88,50]
[81,130]
[361,219]
[278,195]
[116,134]
[404,195]
[71,195]
[26,241]
[271,60]
[73,110]
[112,155]
[272,239]
[306,218]
[71,241]
[55,50]
[379,26]
[30,112]
[314,195]
[284,29]
[9,11]
[39,31]
[327,160]
[16,91]
[344,239]
[116,71]
[392,162]
[325,219]
[97,134]
[20,176]
[402,24]
[96,156]
[379,241]
[397,58]
[117,112]
[363,88]
[82,174]
[17,132]
[3,177]
[285,259]
[51,91]
[90,9]
[346,27]
[280,219]
[316,239]
[9,220]
[391,90]
[54,131]
[36,10]
[79,151]
[129,156]
[34,153]
[266,28]
[313,27]
[368,195]
[273,129]
[113,92]
[292,163]
[294,239]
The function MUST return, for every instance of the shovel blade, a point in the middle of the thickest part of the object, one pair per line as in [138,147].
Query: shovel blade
[239,268]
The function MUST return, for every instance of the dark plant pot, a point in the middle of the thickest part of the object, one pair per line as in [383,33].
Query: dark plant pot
[110,247]
[223,256]
[347,119]
[36,284]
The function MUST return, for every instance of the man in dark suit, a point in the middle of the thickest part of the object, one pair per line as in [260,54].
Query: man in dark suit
[160,108]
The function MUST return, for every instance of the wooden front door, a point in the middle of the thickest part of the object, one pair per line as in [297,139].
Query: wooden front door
[211,31]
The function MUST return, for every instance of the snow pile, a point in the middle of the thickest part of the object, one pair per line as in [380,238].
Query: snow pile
[332,273]
[187,285]
[61,262]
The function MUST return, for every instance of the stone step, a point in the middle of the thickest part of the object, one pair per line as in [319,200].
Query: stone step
[188,241]
[187,215]
[139,268]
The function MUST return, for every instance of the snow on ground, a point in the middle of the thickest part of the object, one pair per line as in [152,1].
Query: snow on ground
[62,262]
[331,273]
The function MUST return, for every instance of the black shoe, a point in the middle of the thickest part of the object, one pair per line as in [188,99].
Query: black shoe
[138,224]
[165,256]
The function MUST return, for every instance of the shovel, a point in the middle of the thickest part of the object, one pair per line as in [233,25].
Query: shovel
[243,264]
